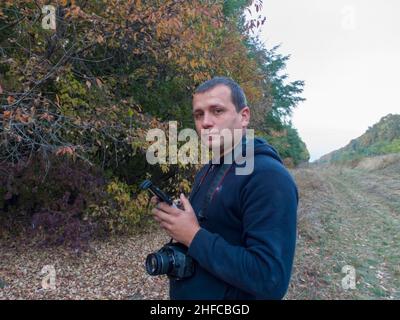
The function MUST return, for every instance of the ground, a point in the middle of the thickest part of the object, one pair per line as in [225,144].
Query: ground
[347,216]
[112,269]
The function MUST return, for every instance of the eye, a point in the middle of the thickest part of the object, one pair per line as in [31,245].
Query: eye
[218,111]
[198,116]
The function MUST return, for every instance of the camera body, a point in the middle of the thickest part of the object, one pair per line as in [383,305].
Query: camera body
[171,259]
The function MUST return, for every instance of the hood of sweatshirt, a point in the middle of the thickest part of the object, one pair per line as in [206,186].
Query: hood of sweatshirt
[260,145]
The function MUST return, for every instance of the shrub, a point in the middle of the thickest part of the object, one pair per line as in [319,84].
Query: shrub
[63,200]
[49,200]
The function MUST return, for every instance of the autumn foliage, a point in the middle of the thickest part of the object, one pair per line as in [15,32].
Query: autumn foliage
[88,92]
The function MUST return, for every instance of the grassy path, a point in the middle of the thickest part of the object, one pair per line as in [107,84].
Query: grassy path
[356,223]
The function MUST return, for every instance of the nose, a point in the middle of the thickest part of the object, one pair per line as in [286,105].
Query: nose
[207,122]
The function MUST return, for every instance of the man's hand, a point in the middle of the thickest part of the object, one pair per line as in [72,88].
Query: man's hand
[181,225]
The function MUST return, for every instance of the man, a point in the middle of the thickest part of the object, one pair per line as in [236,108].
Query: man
[243,239]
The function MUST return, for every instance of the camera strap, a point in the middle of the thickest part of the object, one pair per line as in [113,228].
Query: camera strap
[197,185]
[223,169]
[216,183]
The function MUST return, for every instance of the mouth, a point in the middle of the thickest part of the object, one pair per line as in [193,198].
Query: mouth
[210,137]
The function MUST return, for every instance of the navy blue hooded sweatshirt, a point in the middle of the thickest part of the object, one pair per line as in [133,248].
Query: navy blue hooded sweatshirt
[246,244]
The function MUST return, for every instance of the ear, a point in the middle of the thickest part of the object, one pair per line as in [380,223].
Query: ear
[245,116]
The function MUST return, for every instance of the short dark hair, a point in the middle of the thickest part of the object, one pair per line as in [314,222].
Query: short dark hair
[237,94]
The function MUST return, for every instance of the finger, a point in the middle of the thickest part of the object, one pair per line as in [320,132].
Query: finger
[165,226]
[168,209]
[158,209]
[165,217]
[178,204]
[185,202]
[154,200]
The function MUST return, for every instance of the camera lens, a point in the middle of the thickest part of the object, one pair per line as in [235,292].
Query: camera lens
[158,263]
[152,264]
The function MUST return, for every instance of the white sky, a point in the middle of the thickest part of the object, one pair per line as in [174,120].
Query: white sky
[348,54]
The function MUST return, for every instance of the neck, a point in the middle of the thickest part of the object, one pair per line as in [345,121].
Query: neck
[225,151]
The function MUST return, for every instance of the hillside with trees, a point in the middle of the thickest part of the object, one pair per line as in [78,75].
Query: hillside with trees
[380,139]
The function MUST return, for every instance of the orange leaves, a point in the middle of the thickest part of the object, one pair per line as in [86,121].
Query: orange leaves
[174,24]
[75,12]
[57,100]
[169,27]
[7,115]
[193,63]
[195,28]
[69,150]
[99,82]
[24,118]
[46,116]
[138,4]
[65,2]
[100,39]
[217,24]
[200,77]
[16,115]
[172,32]
[10,99]
[176,32]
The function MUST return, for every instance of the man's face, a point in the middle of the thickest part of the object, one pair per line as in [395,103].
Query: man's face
[214,111]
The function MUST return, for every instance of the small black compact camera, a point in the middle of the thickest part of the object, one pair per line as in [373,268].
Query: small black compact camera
[172,259]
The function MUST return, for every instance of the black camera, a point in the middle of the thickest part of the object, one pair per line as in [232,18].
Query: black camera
[172,259]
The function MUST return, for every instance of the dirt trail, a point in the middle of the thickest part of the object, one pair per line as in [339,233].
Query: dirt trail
[350,217]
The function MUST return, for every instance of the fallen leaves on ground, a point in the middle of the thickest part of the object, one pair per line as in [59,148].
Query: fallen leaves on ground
[110,269]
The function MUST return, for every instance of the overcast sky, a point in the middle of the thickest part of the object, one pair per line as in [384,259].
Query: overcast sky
[348,54]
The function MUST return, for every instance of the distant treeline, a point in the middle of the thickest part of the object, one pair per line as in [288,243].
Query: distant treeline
[382,138]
